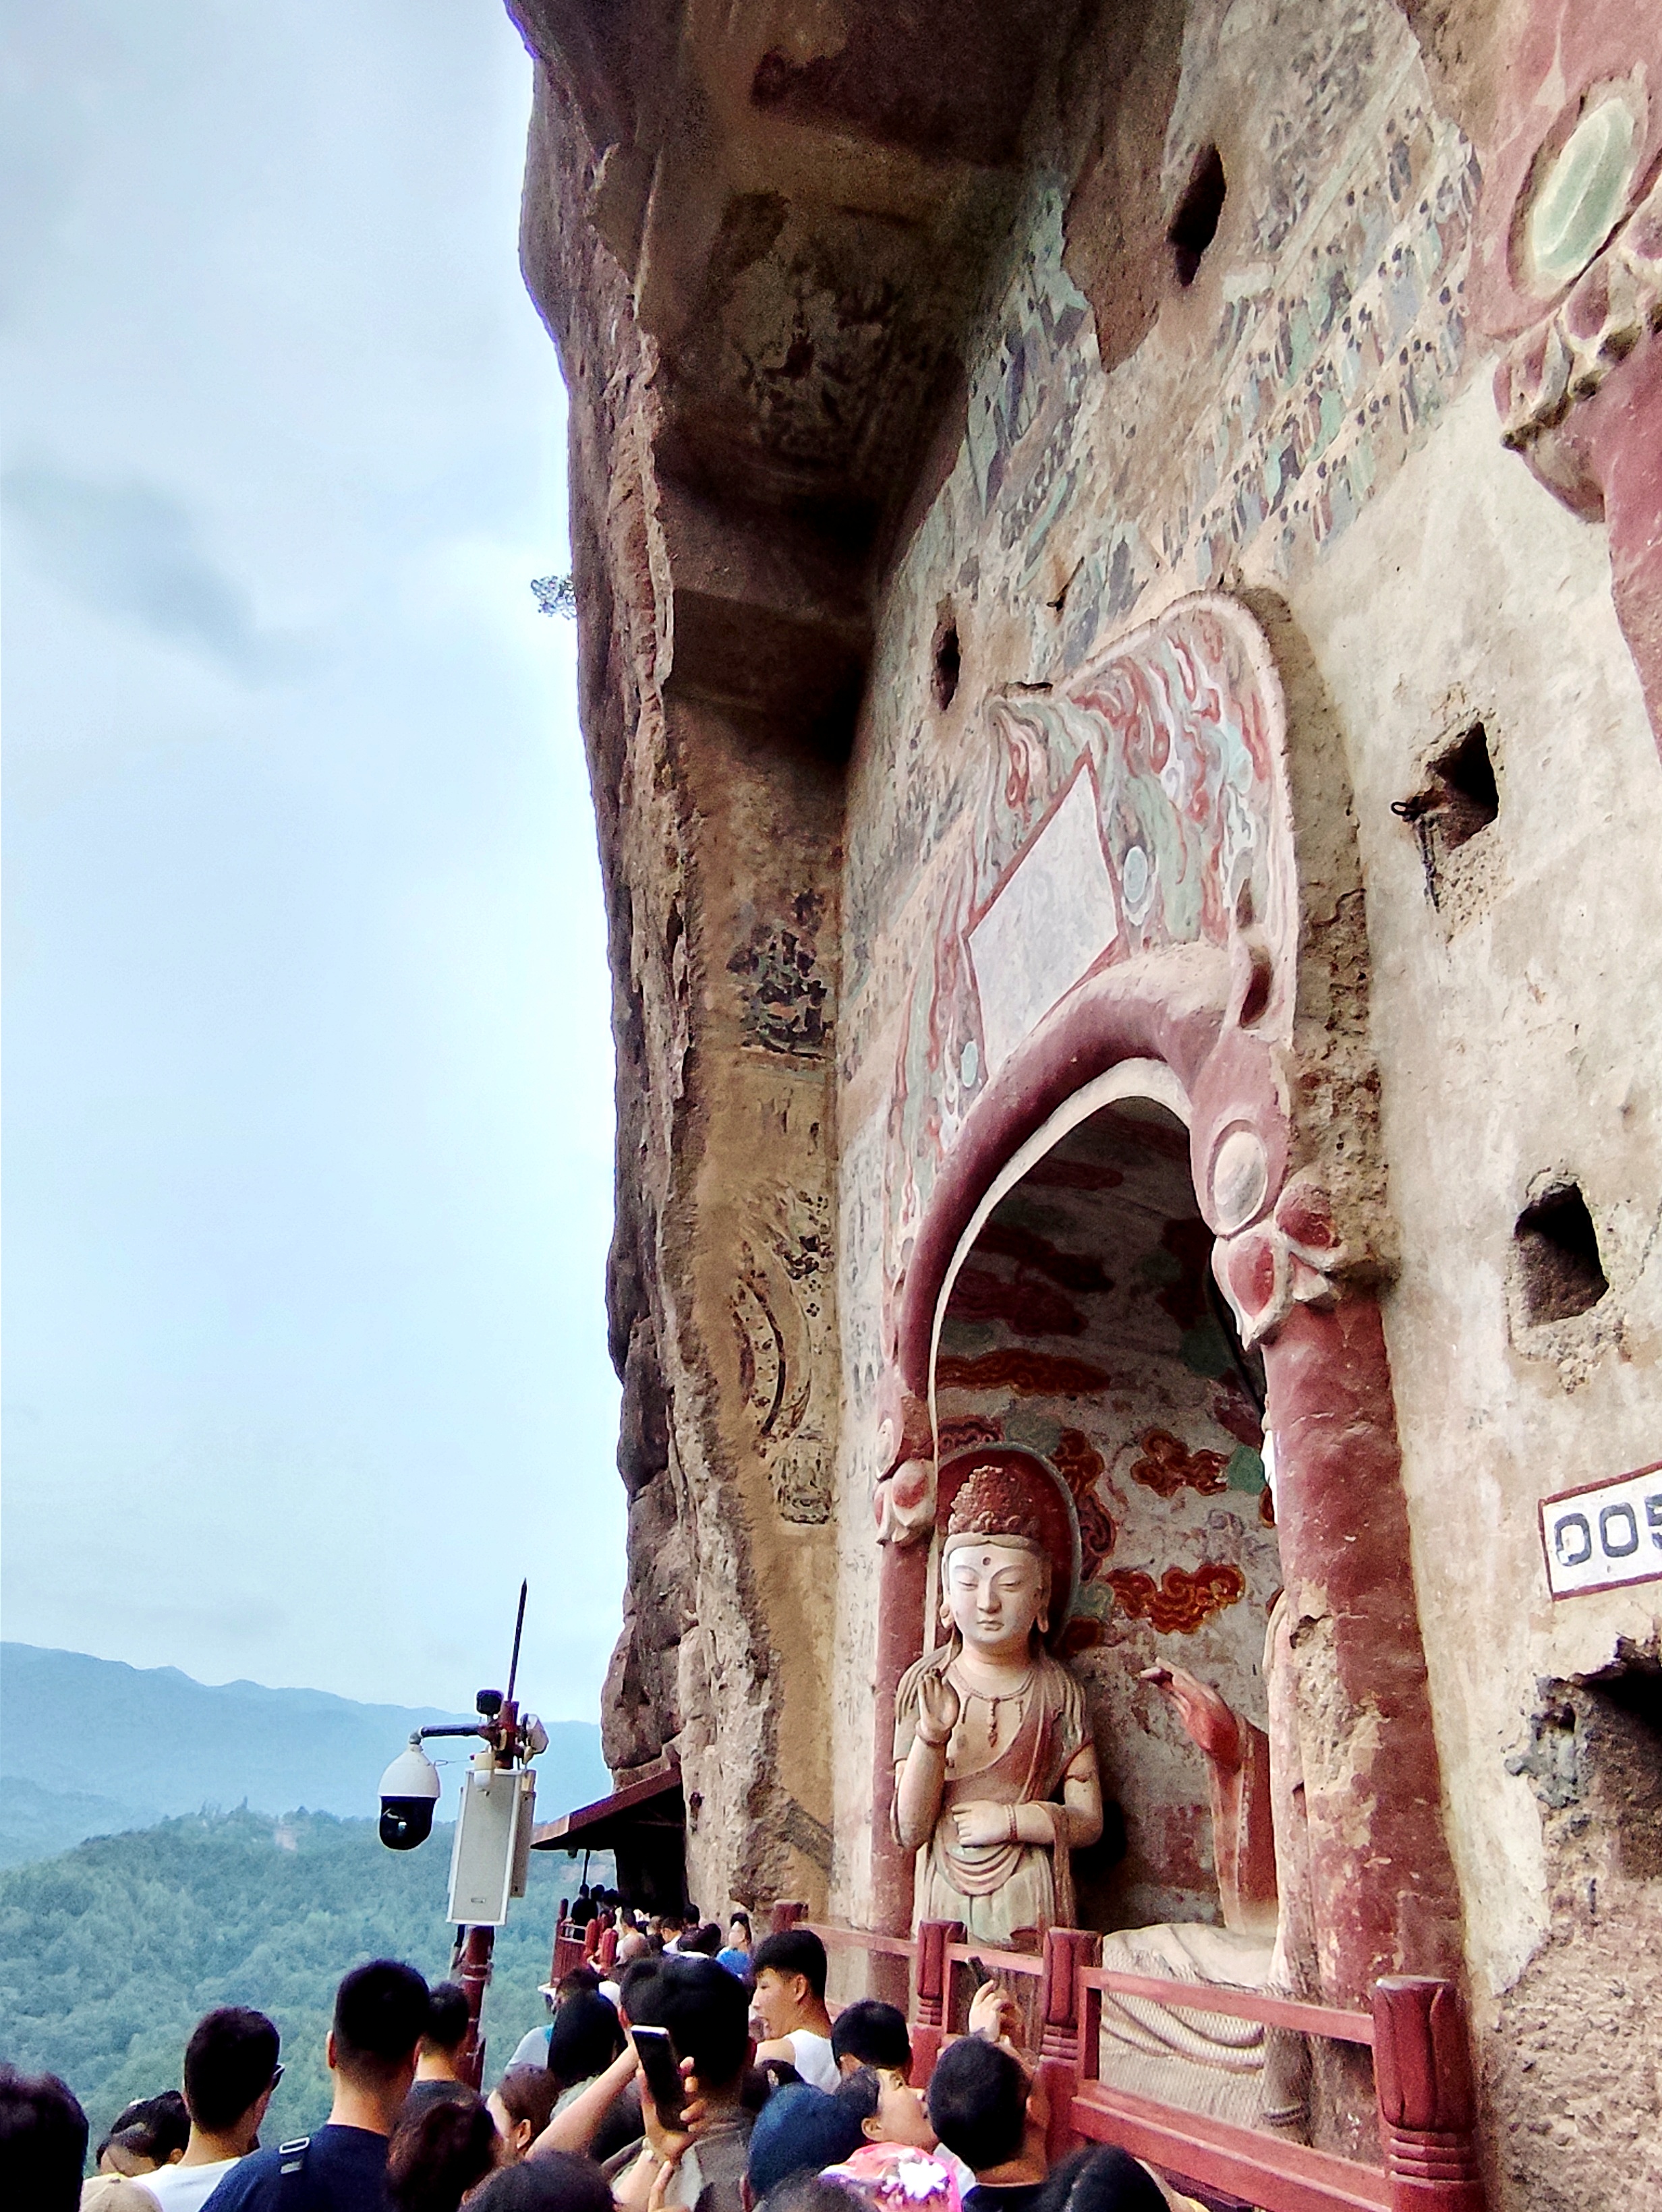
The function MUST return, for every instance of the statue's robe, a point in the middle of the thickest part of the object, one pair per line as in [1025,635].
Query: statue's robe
[1007,1893]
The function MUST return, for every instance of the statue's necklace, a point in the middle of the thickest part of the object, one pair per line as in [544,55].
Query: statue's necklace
[1017,1697]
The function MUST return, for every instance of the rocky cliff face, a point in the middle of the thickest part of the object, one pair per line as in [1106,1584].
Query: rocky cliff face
[916,355]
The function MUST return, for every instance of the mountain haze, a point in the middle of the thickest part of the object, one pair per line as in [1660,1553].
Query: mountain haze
[91,1747]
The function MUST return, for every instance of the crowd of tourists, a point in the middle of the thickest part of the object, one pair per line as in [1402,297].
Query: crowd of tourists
[675,2075]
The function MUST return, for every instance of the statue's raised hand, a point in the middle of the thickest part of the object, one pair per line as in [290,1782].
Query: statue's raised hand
[1208,1719]
[938,1708]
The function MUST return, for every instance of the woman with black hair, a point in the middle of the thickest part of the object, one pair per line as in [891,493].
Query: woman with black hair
[438,2153]
[586,2036]
[1103,2178]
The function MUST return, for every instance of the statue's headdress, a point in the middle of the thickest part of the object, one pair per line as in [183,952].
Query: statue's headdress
[998,1501]
[1005,1495]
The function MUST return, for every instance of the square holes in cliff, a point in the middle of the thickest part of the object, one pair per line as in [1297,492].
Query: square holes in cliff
[1459,800]
[1595,1762]
[1560,1273]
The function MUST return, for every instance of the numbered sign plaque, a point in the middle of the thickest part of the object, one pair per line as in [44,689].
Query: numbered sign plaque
[1604,1534]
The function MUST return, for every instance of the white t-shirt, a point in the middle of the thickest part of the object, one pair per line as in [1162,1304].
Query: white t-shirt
[184,2188]
[811,2055]
[532,2049]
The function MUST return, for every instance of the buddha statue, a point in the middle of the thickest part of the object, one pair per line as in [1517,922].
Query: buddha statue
[996,1769]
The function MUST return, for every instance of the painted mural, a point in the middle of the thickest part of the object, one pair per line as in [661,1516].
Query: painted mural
[1078,496]
[1082,1327]
[1136,807]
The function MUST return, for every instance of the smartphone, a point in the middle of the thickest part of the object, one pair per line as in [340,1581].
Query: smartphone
[662,2069]
[982,1970]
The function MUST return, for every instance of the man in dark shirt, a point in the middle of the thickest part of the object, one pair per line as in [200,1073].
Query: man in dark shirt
[381,2016]
[988,2111]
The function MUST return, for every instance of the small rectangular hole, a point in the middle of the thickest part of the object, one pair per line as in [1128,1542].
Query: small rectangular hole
[1561,1272]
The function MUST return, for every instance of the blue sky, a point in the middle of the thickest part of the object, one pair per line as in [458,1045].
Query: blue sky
[307,1069]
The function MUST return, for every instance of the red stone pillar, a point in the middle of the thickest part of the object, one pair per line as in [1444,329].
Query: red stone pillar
[1422,2067]
[1383,1883]
[901,1585]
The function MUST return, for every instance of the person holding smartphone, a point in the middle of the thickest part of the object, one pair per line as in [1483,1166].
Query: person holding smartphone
[689,2023]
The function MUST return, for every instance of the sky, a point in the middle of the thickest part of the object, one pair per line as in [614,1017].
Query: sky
[307,1070]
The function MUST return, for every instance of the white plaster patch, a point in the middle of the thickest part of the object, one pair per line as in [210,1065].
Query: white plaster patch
[1046,929]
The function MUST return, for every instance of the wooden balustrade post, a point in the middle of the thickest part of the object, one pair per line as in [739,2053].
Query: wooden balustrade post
[1422,2071]
[932,1978]
[1060,2023]
[1066,1950]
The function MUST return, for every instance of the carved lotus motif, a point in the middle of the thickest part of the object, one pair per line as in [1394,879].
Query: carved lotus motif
[1288,1259]
[904,1504]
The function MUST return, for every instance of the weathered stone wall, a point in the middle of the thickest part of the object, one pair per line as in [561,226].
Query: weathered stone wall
[1313,418]
[720,844]
[829,512]
[1516,1025]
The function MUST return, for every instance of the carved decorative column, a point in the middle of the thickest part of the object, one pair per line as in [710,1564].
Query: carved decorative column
[904,1508]
[1580,398]
[1384,1896]
[899,1642]
[1383,1881]
[1427,2109]
[1569,268]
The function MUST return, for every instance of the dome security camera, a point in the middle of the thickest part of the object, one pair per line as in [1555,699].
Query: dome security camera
[409,1799]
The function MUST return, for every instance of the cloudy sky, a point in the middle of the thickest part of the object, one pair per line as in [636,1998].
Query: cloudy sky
[308,1074]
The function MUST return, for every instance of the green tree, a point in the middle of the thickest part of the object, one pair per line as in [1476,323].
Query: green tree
[110,1953]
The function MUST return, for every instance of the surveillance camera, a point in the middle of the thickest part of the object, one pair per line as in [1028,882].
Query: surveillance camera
[409,1799]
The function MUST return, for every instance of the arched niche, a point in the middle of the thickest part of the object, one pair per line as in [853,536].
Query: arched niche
[1079,1318]
[1228,957]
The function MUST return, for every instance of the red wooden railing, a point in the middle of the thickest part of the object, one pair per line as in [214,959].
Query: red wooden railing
[1416,2033]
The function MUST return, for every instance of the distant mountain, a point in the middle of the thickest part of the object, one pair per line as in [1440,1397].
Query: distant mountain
[91,1746]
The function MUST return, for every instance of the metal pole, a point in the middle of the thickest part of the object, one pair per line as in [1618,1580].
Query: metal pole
[519,1630]
[475,1980]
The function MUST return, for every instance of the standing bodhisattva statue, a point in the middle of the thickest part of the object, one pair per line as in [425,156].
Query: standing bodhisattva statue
[995,1770]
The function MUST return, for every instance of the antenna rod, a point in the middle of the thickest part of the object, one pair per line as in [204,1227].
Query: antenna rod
[519,1630]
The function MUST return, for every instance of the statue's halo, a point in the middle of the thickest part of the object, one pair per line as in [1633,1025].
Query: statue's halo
[1043,1494]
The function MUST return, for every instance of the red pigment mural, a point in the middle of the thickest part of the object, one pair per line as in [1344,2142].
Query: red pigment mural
[1179,1602]
[1025,1307]
[1029,1374]
[1232,1409]
[965,1430]
[1137,807]
[1082,1466]
[1054,1173]
[1167,1466]
[1073,1271]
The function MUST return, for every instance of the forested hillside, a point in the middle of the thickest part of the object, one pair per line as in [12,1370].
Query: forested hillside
[110,1953]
